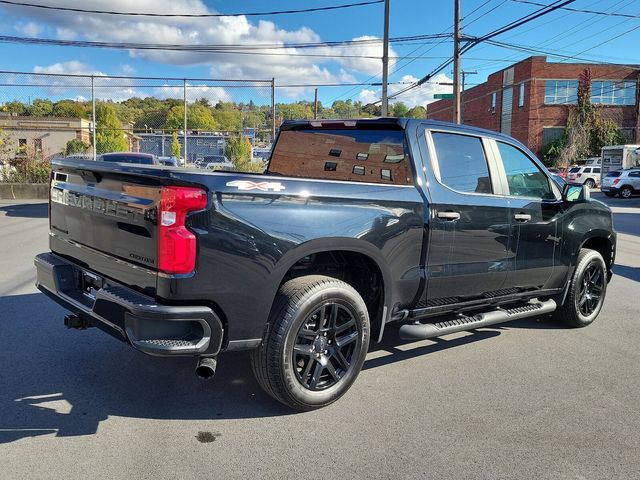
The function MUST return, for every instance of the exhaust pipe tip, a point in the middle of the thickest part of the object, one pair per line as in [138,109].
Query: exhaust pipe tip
[206,367]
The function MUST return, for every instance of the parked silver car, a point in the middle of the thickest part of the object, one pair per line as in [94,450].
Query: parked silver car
[587,175]
[626,183]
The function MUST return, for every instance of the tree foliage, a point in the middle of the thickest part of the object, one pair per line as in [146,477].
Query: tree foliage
[76,146]
[238,151]
[587,132]
[109,132]
[175,145]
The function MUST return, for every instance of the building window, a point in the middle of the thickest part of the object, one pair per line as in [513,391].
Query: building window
[551,134]
[493,102]
[561,92]
[521,95]
[37,145]
[613,93]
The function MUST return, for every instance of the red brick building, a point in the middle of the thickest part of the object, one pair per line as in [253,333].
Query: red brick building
[531,99]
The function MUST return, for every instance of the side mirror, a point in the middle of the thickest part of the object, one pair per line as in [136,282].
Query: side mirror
[575,192]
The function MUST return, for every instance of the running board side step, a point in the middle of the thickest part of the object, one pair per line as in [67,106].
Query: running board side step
[421,331]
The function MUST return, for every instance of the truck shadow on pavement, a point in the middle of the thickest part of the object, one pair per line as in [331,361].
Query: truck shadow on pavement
[26,210]
[67,381]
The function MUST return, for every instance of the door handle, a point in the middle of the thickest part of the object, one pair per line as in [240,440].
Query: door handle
[522,217]
[449,216]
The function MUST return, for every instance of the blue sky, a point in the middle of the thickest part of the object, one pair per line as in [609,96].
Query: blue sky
[588,35]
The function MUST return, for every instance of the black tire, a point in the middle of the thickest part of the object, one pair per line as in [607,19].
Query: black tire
[303,315]
[590,183]
[589,279]
[610,194]
[626,192]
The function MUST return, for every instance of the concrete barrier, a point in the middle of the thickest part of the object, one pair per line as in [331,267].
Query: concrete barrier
[24,191]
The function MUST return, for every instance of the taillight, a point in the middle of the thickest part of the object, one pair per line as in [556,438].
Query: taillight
[176,244]
[578,175]
[616,181]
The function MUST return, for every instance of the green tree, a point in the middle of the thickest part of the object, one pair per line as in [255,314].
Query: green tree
[238,151]
[175,145]
[417,112]
[228,120]
[76,146]
[199,117]
[15,108]
[399,109]
[70,109]
[109,132]
[41,107]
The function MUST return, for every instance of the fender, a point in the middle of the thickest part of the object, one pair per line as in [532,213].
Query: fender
[334,244]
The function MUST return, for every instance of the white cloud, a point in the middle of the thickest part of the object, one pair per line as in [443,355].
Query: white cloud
[30,29]
[421,95]
[285,66]
[72,67]
[212,93]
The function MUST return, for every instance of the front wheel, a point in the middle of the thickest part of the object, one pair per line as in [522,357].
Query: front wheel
[316,345]
[626,192]
[586,291]
[590,183]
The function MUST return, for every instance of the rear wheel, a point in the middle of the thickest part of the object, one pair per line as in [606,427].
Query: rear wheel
[626,192]
[586,291]
[316,345]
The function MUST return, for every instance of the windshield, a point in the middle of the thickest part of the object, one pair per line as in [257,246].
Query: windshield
[574,170]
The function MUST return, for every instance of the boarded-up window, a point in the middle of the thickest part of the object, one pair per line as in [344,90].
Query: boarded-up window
[375,156]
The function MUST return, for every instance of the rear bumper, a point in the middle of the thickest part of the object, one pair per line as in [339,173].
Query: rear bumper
[137,319]
[608,189]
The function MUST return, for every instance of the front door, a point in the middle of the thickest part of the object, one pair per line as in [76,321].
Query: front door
[536,218]
[468,226]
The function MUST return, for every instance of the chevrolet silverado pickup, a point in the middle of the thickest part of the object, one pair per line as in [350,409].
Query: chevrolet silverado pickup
[354,225]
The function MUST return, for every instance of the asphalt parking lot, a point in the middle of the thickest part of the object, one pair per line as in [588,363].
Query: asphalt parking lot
[530,399]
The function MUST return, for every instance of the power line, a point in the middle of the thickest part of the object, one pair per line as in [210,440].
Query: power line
[475,41]
[209,48]
[582,10]
[188,15]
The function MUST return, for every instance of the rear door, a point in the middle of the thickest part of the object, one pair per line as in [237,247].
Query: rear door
[536,216]
[468,250]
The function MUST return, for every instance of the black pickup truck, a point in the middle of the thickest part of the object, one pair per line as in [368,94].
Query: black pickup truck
[355,224]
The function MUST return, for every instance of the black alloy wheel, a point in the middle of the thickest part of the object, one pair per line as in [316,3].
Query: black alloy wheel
[587,290]
[325,346]
[591,286]
[316,344]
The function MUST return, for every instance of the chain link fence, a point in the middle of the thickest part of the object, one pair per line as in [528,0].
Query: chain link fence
[44,115]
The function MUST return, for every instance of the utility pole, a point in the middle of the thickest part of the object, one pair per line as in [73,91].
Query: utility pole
[456,61]
[273,110]
[93,116]
[385,61]
[464,76]
[315,106]
[184,136]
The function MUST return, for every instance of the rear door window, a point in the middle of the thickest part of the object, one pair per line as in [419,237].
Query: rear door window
[524,178]
[358,155]
[462,163]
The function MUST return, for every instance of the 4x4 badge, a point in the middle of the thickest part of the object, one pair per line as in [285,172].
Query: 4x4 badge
[249,185]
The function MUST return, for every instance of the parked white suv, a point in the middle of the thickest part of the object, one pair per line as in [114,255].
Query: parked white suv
[589,176]
[623,182]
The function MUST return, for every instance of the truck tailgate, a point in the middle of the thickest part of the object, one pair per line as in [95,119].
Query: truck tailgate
[110,213]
